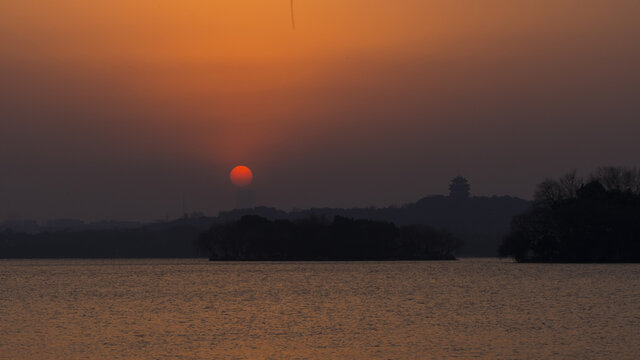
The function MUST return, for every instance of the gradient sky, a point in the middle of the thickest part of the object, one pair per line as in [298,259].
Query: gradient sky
[119,109]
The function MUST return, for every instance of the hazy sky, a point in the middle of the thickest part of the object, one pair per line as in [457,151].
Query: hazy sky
[119,108]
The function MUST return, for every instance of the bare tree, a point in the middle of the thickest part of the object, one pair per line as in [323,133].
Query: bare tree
[621,179]
[551,191]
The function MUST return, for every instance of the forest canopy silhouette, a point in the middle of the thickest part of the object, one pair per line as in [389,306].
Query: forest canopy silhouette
[573,219]
[257,238]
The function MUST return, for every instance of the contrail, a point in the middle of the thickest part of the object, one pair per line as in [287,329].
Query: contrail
[293,20]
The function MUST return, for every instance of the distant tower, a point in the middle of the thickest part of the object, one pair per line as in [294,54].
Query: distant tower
[245,199]
[459,188]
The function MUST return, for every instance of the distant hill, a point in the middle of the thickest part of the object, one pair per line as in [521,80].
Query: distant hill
[479,221]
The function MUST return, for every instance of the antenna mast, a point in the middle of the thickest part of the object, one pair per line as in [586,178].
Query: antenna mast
[293,21]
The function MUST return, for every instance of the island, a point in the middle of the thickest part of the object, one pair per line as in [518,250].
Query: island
[596,219]
[256,238]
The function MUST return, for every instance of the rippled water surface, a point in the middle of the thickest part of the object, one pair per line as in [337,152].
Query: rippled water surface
[195,309]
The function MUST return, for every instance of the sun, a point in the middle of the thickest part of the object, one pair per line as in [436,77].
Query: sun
[241,176]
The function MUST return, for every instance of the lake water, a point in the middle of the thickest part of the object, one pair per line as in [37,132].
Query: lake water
[195,309]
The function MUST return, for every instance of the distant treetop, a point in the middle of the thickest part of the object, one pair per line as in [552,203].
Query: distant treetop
[459,188]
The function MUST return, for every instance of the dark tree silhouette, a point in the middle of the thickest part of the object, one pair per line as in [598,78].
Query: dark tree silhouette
[175,242]
[256,238]
[580,220]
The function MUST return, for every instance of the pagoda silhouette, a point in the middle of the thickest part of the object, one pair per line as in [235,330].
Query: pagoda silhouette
[459,188]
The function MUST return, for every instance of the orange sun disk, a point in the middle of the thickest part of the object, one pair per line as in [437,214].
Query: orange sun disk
[241,176]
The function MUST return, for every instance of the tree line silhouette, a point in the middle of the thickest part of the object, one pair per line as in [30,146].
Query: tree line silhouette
[596,219]
[175,242]
[254,237]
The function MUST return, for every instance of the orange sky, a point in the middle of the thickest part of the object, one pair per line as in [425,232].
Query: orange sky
[223,82]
